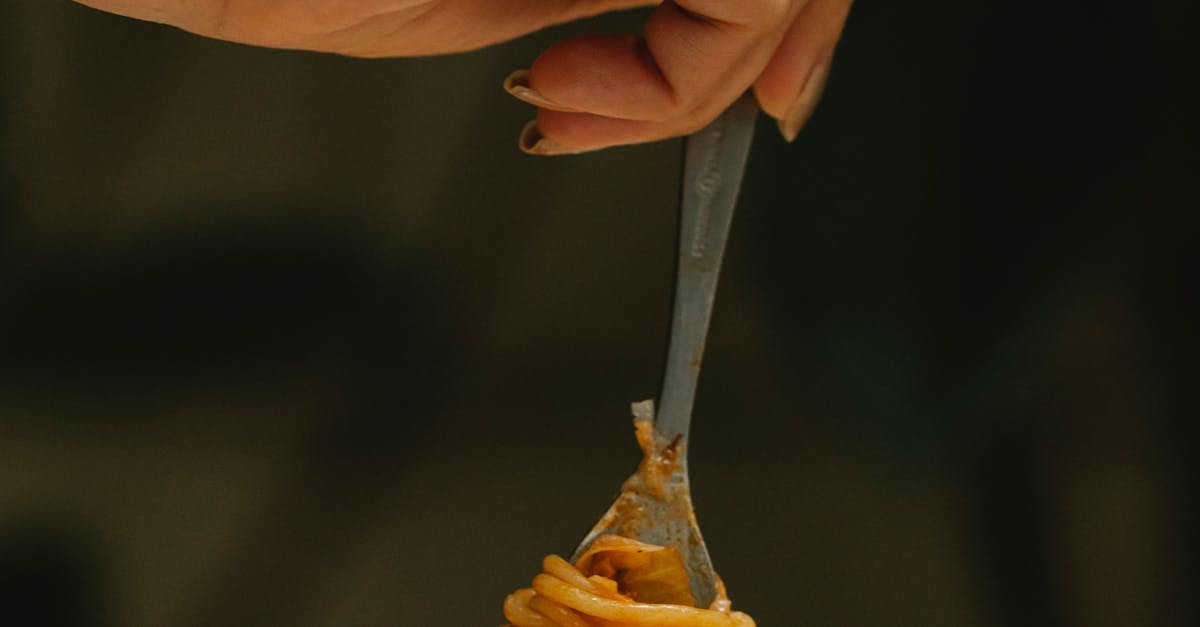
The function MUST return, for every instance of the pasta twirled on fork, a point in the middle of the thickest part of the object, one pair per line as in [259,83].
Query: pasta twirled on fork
[618,582]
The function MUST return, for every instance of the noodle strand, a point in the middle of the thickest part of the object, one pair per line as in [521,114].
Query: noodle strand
[565,596]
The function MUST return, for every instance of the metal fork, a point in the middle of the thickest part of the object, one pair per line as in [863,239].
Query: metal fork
[660,512]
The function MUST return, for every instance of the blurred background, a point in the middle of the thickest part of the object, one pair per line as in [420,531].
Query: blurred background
[295,339]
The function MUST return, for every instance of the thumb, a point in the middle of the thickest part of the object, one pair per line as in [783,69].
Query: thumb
[790,86]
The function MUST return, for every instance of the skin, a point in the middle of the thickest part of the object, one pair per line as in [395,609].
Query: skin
[697,56]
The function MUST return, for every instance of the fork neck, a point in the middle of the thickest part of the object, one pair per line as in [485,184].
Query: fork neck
[714,160]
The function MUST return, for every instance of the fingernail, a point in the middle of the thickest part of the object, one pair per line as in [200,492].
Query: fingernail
[517,84]
[802,109]
[532,142]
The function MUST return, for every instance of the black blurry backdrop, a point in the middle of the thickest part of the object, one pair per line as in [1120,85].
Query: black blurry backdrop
[295,339]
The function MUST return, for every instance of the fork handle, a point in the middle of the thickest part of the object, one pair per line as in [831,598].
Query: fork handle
[715,158]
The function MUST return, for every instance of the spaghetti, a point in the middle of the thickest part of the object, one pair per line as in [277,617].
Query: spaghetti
[618,582]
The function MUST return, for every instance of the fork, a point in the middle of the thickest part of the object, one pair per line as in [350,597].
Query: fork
[655,505]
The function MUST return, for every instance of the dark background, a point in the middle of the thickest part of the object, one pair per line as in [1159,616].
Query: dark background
[294,339]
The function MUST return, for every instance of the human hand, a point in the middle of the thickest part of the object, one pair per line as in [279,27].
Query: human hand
[696,58]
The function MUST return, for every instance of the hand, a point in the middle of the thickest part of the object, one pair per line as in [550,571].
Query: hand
[696,58]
